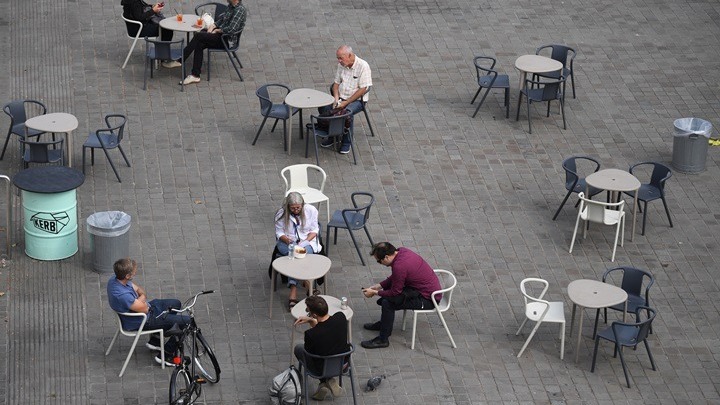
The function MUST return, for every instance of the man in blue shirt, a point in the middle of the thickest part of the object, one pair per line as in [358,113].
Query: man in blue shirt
[126,296]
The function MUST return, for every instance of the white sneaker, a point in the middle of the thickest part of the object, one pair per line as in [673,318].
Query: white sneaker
[171,64]
[191,79]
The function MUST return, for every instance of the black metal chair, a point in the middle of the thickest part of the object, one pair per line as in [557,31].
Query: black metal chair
[328,127]
[278,111]
[632,283]
[364,108]
[212,8]
[566,56]
[42,152]
[488,79]
[573,182]
[18,112]
[163,50]
[106,139]
[540,91]
[625,334]
[653,190]
[231,43]
[336,365]
[353,219]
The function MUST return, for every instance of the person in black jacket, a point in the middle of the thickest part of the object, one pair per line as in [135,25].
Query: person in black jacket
[138,10]
[327,336]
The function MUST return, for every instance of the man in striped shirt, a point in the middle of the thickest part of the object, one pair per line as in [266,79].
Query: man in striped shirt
[230,22]
[353,79]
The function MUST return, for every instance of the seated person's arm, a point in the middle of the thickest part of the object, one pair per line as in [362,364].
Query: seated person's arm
[140,305]
[358,93]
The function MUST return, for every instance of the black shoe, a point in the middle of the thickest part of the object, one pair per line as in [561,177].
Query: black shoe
[328,143]
[154,343]
[168,359]
[376,343]
[372,326]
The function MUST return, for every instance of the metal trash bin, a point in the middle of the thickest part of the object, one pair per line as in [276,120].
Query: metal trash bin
[109,238]
[690,144]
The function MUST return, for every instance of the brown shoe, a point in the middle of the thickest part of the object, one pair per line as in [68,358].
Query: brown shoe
[322,392]
[335,387]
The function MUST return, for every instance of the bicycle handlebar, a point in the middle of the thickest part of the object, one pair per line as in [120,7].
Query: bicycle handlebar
[187,307]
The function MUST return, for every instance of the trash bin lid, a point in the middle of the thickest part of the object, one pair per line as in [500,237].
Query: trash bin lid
[690,126]
[108,223]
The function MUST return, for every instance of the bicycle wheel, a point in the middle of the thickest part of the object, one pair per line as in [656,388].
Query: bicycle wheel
[205,359]
[180,392]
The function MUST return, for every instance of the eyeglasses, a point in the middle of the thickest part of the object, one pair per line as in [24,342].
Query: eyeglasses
[381,260]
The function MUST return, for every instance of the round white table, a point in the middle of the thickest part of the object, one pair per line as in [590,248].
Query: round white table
[310,268]
[187,25]
[615,181]
[305,98]
[593,294]
[300,309]
[535,64]
[57,123]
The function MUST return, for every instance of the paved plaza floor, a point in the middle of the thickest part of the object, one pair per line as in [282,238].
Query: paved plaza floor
[474,196]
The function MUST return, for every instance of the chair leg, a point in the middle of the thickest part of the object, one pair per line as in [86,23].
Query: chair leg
[442,319]
[260,129]
[562,204]
[617,234]
[237,70]
[577,222]
[652,361]
[521,326]
[112,342]
[562,340]
[537,325]
[507,103]
[624,366]
[107,155]
[412,345]
[208,62]
[562,110]
[367,117]
[528,114]
[476,94]
[368,235]
[122,152]
[352,236]
[132,47]
[305,388]
[92,156]
[517,116]
[317,157]
[327,245]
[145,72]
[83,159]
[352,148]
[572,81]
[274,125]
[352,381]
[597,342]
[482,100]
[130,353]
[667,211]
[7,139]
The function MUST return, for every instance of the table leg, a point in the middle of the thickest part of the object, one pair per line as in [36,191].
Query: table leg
[572,319]
[523,76]
[579,335]
[292,342]
[272,284]
[635,201]
[349,331]
[68,144]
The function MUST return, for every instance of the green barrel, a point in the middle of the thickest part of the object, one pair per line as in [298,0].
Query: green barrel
[50,224]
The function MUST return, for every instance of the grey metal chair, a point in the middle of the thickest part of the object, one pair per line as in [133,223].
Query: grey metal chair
[653,190]
[336,365]
[626,334]
[212,8]
[163,50]
[573,182]
[42,152]
[328,127]
[18,111]
[353,219]
[634,283]
[278,111]
[231,44]
[106,139]
[364,109]
[489,79]
[542,91]
[566,56]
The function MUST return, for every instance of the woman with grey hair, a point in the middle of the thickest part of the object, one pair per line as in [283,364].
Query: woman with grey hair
[296,222]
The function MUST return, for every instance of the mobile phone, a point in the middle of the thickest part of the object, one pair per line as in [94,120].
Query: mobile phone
[161,4]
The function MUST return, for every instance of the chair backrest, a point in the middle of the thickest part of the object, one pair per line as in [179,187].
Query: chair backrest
[212,8]
[484,65]
[571,169]
[115,127]
[39,152]
[632,280]
[550,89]
[642,326]
[231,41]
[560,53]
[263,93]
[162,49]
[333,365]
[132,32]
[597,210]
[362,210]
[296,176]
[134,314]
[524,287]
[335,124]
[18,113]
[448,283]
[660,173]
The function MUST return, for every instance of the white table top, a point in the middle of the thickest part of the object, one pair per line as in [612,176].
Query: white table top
[308,98]
[595,294]
[537,64]
[311,267]
[613,180]
[53,122]
[300,309]
[186,25]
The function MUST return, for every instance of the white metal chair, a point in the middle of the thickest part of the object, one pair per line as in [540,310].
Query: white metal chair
[612,214]
[296,179]
[136,334]
[539,310]
[134,38]
[448,280]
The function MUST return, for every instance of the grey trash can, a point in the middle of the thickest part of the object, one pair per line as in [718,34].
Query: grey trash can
[690,144]
[109,238]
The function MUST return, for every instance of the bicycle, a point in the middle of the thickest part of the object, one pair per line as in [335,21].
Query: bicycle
[185,384]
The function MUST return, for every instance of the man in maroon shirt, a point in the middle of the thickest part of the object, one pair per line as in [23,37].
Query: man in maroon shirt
[409,287]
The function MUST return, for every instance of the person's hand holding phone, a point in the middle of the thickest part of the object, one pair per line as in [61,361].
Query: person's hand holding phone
[158,7]
[369,292]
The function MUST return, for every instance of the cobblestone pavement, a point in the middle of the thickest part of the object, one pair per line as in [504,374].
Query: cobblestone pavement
[474,196]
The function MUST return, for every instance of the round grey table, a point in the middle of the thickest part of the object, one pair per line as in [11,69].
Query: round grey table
[305,98]
[593,294]
[310,268]
[187,25]
[615,181]
[57,123]
[300,309]
[535,64]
